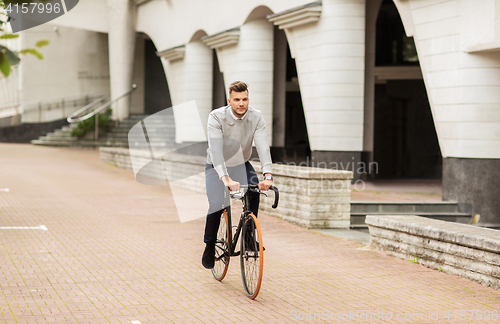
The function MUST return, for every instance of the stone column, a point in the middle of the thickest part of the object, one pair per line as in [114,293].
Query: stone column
[246,54]
[189,70]
[198,78]
[121,42]
[372,9]
[327,40]
[279,102]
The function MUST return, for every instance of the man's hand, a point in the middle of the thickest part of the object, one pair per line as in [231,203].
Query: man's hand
[233,185]
[264,185]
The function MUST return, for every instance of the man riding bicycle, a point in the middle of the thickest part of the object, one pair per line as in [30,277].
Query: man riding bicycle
[231,131]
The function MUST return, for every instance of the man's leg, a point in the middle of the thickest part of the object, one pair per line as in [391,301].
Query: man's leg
[216,200]
[254,202]
[212,226]
[254,196]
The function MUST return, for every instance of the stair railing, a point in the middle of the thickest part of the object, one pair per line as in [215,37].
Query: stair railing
[74,119]
[17,109]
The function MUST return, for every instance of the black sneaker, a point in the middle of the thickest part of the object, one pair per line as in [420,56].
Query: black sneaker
[208,259]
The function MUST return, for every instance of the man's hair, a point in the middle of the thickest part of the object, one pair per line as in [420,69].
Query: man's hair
[238,86]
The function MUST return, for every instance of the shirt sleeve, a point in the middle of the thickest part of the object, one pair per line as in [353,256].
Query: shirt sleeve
[216,145]
[262,146]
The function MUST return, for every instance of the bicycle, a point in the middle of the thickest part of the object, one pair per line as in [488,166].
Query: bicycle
[251,247]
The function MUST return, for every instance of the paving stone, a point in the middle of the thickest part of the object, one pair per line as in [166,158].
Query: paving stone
[115,252]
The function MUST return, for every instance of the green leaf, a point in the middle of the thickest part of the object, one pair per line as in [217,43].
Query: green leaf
[31,51]
[4,65]
[7,36]
[42,43]
[12,57]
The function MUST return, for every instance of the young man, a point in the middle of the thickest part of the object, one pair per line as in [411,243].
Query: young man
[231,131]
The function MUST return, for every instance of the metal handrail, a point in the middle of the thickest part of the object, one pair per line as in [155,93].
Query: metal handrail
[74,119]
[79,111]
[63,103]
[45,101]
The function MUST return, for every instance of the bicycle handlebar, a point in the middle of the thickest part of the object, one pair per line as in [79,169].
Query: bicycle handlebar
[276,196]
[273,188]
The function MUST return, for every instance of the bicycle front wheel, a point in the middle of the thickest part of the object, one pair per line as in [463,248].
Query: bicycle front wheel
[251,256]
[222,248]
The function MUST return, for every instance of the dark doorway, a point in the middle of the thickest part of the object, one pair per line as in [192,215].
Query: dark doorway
[219,98]
[405,139]
[393,47]
[156,92]
[406,144]
[295,144]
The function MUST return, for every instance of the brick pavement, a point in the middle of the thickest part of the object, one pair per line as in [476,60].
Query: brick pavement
[115,252]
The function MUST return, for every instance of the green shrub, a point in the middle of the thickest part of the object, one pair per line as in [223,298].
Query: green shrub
[88,125]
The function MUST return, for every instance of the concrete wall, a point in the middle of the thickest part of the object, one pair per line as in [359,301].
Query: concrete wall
[91,15]
[75,63]
[459,249]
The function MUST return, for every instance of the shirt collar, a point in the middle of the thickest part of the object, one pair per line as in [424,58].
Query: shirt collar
[236,118]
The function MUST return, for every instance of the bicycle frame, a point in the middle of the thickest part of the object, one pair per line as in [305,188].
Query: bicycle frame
[244,215]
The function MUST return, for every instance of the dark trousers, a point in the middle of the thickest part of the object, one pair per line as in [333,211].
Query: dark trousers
[218,196]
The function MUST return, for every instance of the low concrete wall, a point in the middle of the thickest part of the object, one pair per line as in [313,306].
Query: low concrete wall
[24,133]
[311,197]
[466,250]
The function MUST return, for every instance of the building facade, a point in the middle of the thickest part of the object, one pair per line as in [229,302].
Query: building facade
[390,89]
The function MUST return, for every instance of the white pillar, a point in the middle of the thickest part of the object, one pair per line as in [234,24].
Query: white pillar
[250,59]
[330,58]
[121,53]
[198,78]
[279,101]
[372,9]
[189,71]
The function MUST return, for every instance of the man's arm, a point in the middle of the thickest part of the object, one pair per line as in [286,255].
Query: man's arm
[216,146]
[264,152]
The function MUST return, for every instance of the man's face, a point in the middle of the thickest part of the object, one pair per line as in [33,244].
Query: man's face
[238,102]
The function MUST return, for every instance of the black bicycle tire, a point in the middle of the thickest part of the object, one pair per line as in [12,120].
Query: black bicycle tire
[251,281]
[222,258]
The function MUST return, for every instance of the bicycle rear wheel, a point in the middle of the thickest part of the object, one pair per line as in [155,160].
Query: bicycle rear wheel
[222,248]
[251,256]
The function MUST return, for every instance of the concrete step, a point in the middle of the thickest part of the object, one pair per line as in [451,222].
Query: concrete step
[59,132]
[69,127]
[137,116]
[149,130]
[358,219]
[403,207]
[152,125]
[163,130]
[58,138]
[65,143]
[149,120]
